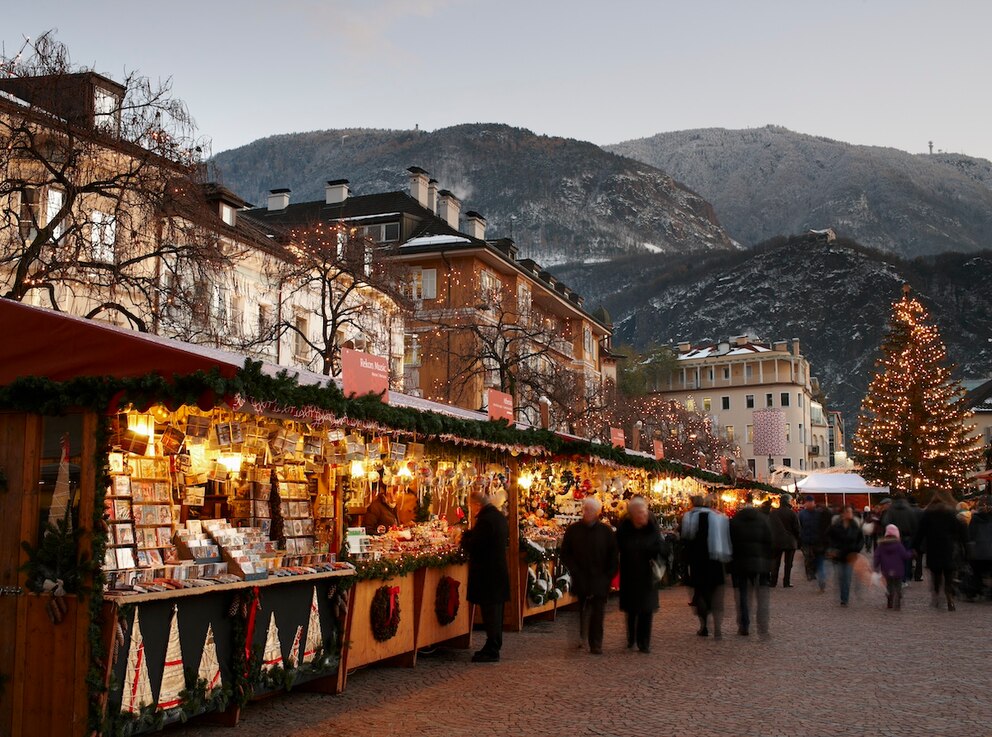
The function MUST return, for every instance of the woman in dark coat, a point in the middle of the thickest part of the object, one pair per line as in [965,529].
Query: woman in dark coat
[639,541]
[943,536]
[488,574]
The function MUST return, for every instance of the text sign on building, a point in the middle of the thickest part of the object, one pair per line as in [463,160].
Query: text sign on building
[500,406]
[617,437]
[659,450]
[362,373]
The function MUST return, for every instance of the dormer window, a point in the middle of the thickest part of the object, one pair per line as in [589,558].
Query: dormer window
[228,214]
[106,110]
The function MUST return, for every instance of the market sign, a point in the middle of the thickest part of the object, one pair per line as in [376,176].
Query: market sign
[659,450]
[362,373]
[500,406]
[617,438]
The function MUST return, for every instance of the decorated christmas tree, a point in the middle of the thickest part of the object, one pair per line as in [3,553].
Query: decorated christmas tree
[913,430]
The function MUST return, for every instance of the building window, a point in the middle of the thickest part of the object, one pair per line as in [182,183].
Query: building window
[749,433]
[726,373]
[749,401]
[787,462]
[103,235]
[800,395]
[788,432]
[724,403]
[711,374]
[228,214]
[748,372]
[802,433]
[690,404]
[751,466]
[769,400]
[382,232]
[106,110]
[489,284]
[423,283]
[266,320]
[237,316]
[55,199]
[523,299]
[802,464]
[785,399]
[707,404]
[587,342]
[218,306]
[411,349]
[301,347]
[730,433]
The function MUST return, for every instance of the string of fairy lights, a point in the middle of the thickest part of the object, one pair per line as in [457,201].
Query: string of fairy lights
[913,430]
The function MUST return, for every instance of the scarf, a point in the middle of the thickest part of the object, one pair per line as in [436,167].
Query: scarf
[718,540]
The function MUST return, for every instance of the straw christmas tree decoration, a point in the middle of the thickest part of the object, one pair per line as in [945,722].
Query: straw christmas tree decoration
[315,637]
[294,652]
[173,675]
[137,688]
[272,656]
[209,670]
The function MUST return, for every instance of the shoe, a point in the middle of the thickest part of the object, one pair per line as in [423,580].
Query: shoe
[703,632]
[630,645]
[595,651]
[843,603]
[742,631]
[645,650]
[484,657]
[950,606]
[787,586]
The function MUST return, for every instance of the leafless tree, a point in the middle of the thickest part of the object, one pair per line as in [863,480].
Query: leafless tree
[101,204]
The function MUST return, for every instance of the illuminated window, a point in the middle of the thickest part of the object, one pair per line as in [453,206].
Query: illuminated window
[730,433]
[103,235]
[749,433]
[707,404]
[411,350]
[55,199]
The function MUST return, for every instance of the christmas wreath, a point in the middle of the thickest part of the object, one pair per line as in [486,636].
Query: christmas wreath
[385,612]
[446,600]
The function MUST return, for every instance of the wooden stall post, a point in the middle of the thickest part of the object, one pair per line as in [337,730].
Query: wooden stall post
[513,613]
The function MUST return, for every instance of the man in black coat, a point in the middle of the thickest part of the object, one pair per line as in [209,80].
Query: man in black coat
[751,540]
[589,552]
[488,574]
[785,539]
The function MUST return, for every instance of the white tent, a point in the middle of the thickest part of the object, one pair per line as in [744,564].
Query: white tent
[838,483]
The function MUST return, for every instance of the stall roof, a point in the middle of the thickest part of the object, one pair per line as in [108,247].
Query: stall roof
[838,483]
[42,342]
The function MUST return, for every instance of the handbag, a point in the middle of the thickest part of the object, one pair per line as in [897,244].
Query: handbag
[658,571]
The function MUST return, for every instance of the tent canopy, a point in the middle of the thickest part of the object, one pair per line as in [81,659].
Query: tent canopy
[838,483]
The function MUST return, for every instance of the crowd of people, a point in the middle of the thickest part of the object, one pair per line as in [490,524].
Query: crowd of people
[755,548]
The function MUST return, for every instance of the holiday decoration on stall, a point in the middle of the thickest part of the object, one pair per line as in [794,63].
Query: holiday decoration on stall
[137,691]
[294,651]
[384,613]
[446,601]
[209,670]
[272,655]
[61,508]
[913,430]
[315,636]
[173,675]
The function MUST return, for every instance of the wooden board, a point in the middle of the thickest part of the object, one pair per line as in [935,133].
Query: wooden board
[429,630]
[363,648]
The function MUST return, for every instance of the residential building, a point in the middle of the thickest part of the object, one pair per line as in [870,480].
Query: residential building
[978,399]
[819,438]
[735,379]
[837,439]
[480,317]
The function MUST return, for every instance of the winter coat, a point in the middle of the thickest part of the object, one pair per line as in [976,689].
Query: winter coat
[890,557]
[942,535]
[379,513]
[785,528]
[902,516]
[638,547]
[704,572]
[589,552]
[486,544]
[845,540]
[813,524]
[980,536]
[751,539]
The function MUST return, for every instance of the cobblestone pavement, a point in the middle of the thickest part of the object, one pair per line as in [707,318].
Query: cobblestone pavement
[826,670]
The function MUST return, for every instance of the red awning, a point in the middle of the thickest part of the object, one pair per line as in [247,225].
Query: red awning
[41,342]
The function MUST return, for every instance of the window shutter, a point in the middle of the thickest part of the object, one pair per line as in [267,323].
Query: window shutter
[429,288]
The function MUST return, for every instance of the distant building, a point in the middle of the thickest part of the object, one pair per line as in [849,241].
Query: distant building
[979,400]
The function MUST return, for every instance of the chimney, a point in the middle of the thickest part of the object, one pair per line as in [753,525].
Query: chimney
[475,225]
[336,191]
[795,347]
[685,347]
[432,196]
[740,340]
[418,185]
[780,346]
[449,207]
[279,199]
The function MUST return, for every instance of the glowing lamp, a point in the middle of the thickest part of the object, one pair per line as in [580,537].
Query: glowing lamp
[405,473]
[525,481]
[232,462]
[357,468]
[141,424]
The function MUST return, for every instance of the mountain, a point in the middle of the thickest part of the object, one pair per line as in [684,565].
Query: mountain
[834,296]
[561,199]
[768,181]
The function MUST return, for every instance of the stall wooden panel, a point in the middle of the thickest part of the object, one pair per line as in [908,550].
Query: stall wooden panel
[363,648]
[429,630]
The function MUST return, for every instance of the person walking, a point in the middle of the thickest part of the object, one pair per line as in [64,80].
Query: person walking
[845,541]
[980,547]
[589,552]
[706,541]
[751,541]
[785,539]
[488,575]
[868,524]
[814,521]
[943,537]
[906,519]
[889,559]
[639,542]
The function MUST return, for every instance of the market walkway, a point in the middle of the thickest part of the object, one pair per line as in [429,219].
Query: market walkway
[825,671]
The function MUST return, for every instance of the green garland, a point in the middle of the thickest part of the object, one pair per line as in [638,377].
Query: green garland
[384,623]
[386,568]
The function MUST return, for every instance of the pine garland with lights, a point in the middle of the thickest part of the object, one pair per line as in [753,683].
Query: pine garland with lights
[913,430]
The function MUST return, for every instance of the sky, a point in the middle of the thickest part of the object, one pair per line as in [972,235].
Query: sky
[881,72]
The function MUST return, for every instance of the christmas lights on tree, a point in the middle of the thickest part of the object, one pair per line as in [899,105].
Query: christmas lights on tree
[913,430]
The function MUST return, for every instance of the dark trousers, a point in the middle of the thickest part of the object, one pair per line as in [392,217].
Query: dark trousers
[893,591]
[492,617]
[943,578]
[747,586]
[639,629]
[790,556]
[592,610]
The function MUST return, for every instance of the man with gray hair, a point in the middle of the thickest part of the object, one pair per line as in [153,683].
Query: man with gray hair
[589,552]
[488,574]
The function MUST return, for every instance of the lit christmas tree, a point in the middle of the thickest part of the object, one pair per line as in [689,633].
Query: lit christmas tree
[913,431]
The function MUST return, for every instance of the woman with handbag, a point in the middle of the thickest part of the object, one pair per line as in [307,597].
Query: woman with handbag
[641,548]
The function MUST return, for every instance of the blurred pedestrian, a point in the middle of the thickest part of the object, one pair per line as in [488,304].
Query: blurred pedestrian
[942,535]
[488,575]
[751,541]
[903,516]
[845,541]
[889,560]
[706,537]
[589,552]
[980,547]
[868,527]
[814,521]
[785,539]
[640,544]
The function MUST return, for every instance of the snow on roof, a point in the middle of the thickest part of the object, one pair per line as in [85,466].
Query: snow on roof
[710,351]
[435,240]
[369,217]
